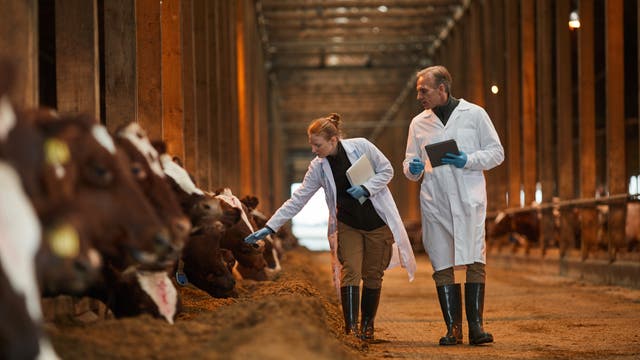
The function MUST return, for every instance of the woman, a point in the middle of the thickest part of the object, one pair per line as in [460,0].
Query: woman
[361,236]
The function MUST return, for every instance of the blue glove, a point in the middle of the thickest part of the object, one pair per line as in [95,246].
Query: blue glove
[258,235]
[357,192]
[455,160]
[416,166]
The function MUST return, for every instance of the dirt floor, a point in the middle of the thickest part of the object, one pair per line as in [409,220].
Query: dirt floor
[297,316]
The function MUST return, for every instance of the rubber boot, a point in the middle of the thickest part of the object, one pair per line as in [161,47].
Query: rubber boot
[350,302]
[450,297]
[474,305]
[369,304]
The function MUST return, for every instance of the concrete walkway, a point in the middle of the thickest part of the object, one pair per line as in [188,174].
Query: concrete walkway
[530,316]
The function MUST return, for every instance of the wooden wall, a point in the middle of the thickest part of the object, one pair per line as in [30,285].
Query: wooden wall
[561,112]
[189,71]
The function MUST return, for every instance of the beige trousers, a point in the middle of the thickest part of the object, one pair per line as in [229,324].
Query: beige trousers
[364,255]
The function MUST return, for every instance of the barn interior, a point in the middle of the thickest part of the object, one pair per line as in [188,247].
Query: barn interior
[230,86]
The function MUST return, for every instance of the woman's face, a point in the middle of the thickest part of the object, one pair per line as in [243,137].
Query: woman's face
[323,147]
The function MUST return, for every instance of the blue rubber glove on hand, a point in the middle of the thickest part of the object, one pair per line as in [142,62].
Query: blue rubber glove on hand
[416,166]
[258,235]
[357,192]
[455,160]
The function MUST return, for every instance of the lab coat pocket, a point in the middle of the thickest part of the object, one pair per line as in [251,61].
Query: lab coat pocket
[476,188]
[467,140]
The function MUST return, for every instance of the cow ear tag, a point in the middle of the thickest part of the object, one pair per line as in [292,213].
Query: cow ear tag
[64,241]
[56,153]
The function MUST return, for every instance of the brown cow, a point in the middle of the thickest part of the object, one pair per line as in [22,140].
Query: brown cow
[131,232]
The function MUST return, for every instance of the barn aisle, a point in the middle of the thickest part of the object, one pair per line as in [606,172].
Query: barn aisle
[530,316]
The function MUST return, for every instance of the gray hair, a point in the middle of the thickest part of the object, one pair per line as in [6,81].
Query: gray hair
[440,75]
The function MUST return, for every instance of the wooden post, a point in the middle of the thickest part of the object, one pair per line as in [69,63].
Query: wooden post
[513,99]
[564,121]
[528,73]
[149,66]
[19,43]
[587,128]
[171,72]
[77,62]
[544,41]
[245,132]
[201,64]
[189,86]
[616,164]
[120,62]
[494,45]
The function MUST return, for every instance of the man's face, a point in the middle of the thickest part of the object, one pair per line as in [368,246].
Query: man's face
[430,95]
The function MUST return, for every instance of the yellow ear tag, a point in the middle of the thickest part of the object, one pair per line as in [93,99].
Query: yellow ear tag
[64,241]
[56,152]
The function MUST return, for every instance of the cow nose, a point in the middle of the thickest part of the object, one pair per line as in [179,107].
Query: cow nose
[162,242]
[181,226]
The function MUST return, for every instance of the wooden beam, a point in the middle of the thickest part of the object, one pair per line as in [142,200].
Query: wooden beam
[587,128]
[513,100]
[528,73]
[565,120]
[616,164]
[546,120]
[202,171]
[149,65]
[493,41]
[77,62]
[189,85]
[172,98]
[19,44]
[120,62]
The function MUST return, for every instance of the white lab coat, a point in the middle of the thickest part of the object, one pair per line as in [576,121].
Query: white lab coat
[454,201]
[320,175]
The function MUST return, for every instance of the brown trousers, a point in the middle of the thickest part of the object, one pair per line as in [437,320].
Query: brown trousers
[475,274]
[364,255]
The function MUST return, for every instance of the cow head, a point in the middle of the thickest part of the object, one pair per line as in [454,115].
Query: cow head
[147,170]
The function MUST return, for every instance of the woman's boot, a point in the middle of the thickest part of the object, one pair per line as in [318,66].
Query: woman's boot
[370,301]
[474,305]
[450,297]
[350,302]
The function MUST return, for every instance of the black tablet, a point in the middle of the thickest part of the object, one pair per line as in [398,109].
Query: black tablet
[437,150]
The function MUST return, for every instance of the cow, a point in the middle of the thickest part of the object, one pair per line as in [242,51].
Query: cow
[520,229]
[130,230]
[147,170]
[20,236]
[207,265]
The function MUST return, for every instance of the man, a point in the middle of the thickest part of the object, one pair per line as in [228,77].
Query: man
[453,198]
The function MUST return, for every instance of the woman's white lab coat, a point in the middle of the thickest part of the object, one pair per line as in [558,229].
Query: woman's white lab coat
[320,175]
[454,201]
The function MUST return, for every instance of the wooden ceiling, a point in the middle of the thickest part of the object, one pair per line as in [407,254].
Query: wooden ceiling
[353,57]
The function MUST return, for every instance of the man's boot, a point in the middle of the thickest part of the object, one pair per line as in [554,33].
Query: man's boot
[474,305]
[370,301]
[450,297]
[350,302]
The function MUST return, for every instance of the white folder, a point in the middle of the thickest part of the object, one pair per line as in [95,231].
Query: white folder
[360,172]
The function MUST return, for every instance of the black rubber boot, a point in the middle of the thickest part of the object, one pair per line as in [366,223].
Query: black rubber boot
[370,301]
[350,302]
[450,297]
[474,305]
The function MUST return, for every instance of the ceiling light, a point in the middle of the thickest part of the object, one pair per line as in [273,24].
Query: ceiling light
[364,19]
[383,8]
[574,20]
[341,10]
[341,20]
[494,89]
[375,30]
